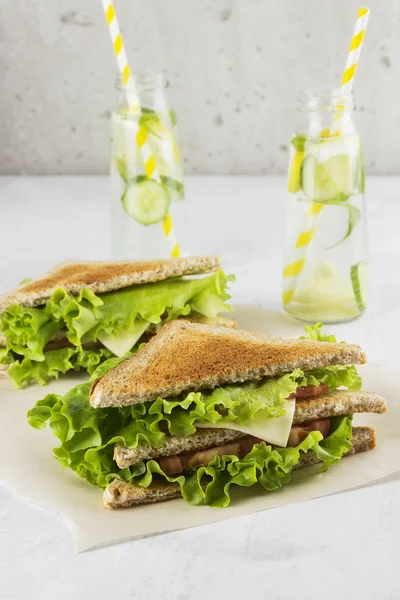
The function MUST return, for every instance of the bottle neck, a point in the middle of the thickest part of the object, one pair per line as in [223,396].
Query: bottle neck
[325,113]
[149,89]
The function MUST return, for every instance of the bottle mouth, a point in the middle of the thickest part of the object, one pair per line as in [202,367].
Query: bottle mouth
[145,81]
[315,99]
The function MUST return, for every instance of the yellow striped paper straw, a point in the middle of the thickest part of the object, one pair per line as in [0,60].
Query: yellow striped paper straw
[134,104]
[353,56]
[293,270]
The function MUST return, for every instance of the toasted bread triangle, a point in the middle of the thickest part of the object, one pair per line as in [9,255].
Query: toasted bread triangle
[105,277]
[187,356]
[121,494]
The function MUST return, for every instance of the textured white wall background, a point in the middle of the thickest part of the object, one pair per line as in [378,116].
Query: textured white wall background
[235,68]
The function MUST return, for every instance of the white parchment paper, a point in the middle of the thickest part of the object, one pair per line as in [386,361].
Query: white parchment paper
[28,469]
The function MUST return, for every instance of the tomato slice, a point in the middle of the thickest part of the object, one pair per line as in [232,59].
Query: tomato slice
[298,433]
[310,391]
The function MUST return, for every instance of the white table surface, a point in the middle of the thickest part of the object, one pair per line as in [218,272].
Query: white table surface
[343,546]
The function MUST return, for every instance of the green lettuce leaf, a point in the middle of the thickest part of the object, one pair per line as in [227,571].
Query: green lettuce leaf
[28,330]
[337,376]
[314,333]
[74,406]
[176,297]
[6,357]
[270,467]
[55,362]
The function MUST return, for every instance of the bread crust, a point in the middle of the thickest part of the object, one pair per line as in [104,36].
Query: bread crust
[120,494]
[202,439]
[189,356]
[338,404]
[103,277]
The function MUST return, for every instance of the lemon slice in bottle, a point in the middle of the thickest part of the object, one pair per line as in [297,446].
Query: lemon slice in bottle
[325,286]
[294,184]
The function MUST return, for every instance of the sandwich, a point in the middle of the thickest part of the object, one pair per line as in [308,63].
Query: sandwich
[201,409]
[80,314]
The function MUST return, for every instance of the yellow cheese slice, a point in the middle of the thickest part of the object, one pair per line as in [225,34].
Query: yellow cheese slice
[274,431]
[123,342]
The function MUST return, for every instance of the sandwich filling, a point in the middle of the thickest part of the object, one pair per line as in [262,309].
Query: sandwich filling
[251,461]
[172,465]
[264,444]
[73,332]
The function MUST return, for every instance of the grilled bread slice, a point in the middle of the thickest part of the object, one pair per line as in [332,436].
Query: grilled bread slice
[103,277]
[189,356]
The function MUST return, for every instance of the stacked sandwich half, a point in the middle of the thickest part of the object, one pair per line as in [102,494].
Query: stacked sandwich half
[80,314]
[200,409]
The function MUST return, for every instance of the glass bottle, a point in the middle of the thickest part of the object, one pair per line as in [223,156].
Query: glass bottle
[142,209]
[326,271]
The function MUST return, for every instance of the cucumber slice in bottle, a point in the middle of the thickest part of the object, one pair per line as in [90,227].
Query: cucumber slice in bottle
[316,180]
[329,180]
[359,275]
[340,169]
[146,201]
